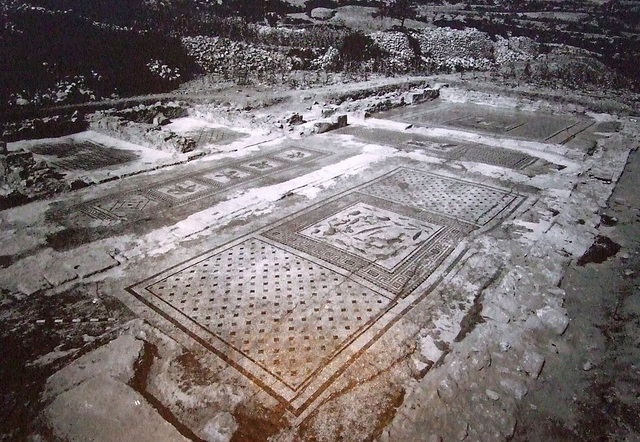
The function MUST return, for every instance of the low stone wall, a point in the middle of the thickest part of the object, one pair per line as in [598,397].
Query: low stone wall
[142,134]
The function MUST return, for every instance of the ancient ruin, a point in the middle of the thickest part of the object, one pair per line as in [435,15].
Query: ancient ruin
[394,248]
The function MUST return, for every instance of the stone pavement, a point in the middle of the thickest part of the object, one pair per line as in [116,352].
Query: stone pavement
[377,282]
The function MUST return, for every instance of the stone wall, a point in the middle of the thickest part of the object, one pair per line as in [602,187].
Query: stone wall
[231,58]
[452,50]
[515,49]
[147,135]
[22,178]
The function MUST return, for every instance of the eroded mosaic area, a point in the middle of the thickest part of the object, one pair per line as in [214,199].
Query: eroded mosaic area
[84,155]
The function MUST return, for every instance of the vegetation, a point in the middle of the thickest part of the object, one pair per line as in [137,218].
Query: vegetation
[60,51]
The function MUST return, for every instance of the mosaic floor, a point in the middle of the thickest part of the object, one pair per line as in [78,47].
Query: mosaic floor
[292,305]
[516,124]
[450,150]
[187,188]
[84,155]
[218,135]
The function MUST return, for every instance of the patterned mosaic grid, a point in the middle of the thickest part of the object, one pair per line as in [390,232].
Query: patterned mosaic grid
[477,153]
[445,149]
[216,135]
[84,155]
[497,123]
[512,123]
[467,202]
[286,314]
[293,304]
[133,205]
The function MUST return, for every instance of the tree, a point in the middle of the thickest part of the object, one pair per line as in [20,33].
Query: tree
[400,9]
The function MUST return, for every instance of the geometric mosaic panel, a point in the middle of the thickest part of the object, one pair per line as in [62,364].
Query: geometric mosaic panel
[187,188]
[496,123]
[182,189]
[502,121]
[294,303]
[476,153]
[226,175]
[465,201]
[286,314]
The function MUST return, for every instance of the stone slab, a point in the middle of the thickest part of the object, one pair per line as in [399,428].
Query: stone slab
[106,409]
[58,272]
[93,262]
[115,359]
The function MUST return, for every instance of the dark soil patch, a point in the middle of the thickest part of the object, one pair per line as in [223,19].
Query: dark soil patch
[257,424]
[602,249]
[70,238]
[5,261]
[23,341]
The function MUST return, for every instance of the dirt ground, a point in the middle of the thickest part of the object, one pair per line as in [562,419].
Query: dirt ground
[590,388]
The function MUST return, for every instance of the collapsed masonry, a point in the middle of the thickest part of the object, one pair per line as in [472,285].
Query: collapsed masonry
[22,178]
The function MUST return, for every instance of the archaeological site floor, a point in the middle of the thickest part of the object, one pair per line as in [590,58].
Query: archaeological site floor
[396,279]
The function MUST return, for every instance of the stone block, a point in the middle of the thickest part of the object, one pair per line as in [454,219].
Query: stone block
[515,387]
[33,284]
[417,98]
[429,350]
[326,113]
[532,363]
[57,272]
[105,409]
[447,389]
[495,313]
[94,262]
[116,359]
[553,318]
[324,126]
[220,428]
[340,121]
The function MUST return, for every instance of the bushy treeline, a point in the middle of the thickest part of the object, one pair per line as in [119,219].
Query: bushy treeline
[43,48]
[182,17]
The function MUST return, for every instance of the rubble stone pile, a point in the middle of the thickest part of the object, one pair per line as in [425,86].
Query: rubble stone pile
[22,178]
[449,49]
[515,49]
[328,61]
[149,135]
[396,44]
[146,113]
[53,126]
[228,58]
